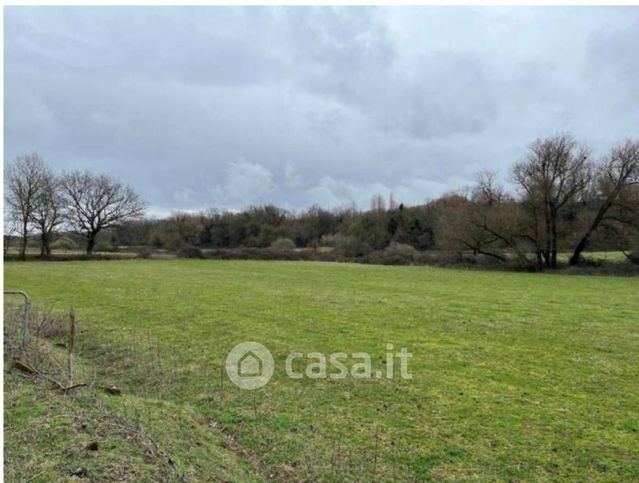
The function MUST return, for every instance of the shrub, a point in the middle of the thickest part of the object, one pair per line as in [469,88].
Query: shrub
[42,325]
[189,251]
[283,245]
[402,249]
[174,242]
[64,243]
[329,240]
[106,247]
[399,254]
[145,252]
[156,238]
[351,246]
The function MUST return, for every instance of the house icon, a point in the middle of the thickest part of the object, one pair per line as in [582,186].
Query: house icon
[249,365]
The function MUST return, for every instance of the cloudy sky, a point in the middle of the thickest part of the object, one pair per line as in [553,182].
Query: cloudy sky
[229,107]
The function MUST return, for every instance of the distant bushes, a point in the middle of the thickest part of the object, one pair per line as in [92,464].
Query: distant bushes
[394,254]
[189,251]
[350,246]
[169,241]
[145,252]
[252,253]
[64,243]
[283,245]
[400,254]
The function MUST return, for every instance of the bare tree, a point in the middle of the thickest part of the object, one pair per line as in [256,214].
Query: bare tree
[617,174]
[501,217]
[48,210]
[378,204]
[460,230]
[97,202]
[25,180]
[392,204]
[555,173]
[487,190]
[186,227]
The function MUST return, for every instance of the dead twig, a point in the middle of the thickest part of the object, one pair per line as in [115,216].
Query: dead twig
[27,370]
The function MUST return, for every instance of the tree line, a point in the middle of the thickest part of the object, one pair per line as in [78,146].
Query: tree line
[561,199]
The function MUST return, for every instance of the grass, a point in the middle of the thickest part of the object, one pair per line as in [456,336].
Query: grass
[515,376]
[613,257]
[47,435]
[34,252]
[89,433]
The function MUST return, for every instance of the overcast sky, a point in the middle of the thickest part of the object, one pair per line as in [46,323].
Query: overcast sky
[229,107]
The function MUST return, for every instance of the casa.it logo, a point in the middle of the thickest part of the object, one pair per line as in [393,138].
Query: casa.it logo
[250,365]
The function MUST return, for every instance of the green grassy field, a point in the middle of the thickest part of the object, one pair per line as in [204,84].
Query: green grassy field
[515,376]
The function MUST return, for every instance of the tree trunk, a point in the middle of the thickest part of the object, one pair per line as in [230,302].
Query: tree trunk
[576,255]
[544,257]
[553,232]
[548,236]
[45,246]
[23,244]
[90,243]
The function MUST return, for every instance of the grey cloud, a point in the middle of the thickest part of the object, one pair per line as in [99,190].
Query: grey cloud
[295,106]
[248,183]
[612,60]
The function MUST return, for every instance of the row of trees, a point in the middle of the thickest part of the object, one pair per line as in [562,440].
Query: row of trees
[563,199]
[260,227]
[39,199]
[560,200]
